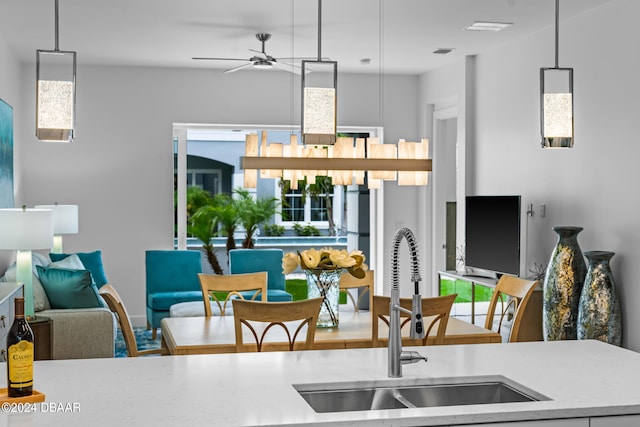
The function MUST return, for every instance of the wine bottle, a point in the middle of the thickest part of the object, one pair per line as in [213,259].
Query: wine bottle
[20,352]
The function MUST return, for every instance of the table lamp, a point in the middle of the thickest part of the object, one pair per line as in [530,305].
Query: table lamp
[65,221]
[23,230]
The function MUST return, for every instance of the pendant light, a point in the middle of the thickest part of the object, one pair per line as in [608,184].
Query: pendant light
[319,89]
[556,101]
[55,92]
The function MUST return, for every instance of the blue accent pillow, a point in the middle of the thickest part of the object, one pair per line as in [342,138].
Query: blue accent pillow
[69,288]
[92,261]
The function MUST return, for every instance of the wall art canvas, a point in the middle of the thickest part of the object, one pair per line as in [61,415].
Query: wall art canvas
[6,155]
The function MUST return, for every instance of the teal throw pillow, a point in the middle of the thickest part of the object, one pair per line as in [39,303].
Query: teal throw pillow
[92,261]
[69,288]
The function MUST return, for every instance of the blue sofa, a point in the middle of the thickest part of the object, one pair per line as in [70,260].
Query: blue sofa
[255,260]
[171,278]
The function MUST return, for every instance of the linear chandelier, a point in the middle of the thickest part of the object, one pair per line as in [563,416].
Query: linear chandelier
[346,162]
[556,101]
[55,92]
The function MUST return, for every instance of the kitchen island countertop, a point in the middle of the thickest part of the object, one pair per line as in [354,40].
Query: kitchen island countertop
[582,378]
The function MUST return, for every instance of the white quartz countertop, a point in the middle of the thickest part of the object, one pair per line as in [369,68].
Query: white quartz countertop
[582,378]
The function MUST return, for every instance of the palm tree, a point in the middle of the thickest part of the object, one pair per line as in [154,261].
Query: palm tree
[324,188]
[228,219]
[202,222]
[253,212]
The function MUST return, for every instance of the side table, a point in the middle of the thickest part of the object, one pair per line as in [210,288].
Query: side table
[42,333]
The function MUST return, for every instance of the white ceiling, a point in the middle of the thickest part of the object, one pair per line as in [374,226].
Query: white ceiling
[168,33]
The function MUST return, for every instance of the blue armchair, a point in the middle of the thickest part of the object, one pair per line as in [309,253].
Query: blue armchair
[255,260]
[171,278]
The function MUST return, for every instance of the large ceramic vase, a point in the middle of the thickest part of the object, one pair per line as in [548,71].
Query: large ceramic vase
[325,284]
[563,283]
[599,315]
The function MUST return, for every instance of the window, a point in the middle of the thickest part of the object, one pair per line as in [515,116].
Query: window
[206,179]
[311,208]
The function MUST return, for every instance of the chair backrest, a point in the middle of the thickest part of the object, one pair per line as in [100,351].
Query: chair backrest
[231,285]
[254,260]
[518,293]
[172,270]
[434,310]
[347,281]
[272,315]
[113,300]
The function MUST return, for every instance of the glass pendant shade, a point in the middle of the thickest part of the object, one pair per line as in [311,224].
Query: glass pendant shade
[55,95]
[319,89]
[556,103]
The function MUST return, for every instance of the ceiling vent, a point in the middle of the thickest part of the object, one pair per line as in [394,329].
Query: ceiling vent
[488,26]
[443,51]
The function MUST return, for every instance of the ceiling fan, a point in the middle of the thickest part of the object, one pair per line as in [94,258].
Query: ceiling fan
[260,61]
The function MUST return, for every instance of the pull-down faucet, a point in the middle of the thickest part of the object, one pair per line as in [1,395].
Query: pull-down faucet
[397,357]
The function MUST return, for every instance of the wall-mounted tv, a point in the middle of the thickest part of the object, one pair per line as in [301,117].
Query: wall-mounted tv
[492,234]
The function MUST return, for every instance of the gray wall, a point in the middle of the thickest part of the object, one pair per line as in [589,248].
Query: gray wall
[591,185]
[119,170]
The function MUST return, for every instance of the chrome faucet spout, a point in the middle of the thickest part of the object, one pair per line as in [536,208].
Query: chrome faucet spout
[396,356]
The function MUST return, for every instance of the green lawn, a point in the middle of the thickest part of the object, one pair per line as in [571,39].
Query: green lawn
[463,289]
[298,288]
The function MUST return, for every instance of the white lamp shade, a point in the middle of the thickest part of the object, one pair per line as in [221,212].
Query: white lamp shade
[26,229]
[65,218]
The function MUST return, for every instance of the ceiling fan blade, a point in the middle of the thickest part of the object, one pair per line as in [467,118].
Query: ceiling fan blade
[287,67]
[218,59]
[233,70]
[264,55]
[305,58]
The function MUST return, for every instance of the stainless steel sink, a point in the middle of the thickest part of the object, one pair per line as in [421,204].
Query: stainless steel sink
[368,396]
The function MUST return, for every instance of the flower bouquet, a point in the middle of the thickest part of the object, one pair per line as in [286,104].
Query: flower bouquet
[323,269]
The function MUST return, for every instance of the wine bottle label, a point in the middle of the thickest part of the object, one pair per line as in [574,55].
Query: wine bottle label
[20,362]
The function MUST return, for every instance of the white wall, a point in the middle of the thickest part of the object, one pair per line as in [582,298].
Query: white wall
[119,170]
[591,185]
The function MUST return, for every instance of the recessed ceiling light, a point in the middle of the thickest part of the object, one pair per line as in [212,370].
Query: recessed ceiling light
[488,26]
[443,50]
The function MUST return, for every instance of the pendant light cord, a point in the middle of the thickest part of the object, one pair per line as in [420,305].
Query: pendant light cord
[381,64]
[291,42]
[56,24]
[319,30]
[557,30]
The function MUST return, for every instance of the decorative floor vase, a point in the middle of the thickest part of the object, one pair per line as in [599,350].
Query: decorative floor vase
[563,283]
[325,284]
[599,315]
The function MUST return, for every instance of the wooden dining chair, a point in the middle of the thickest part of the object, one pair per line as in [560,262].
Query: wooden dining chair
[347,281]
[269,315]
[232,286]
[434,310]
[514,295]
[113,300]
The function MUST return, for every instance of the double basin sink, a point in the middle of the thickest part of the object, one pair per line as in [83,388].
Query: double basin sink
[402,394]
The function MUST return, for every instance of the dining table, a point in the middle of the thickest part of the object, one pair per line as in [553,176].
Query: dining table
[216,334]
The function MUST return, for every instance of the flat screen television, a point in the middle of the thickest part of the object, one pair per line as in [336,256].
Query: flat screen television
[492,235]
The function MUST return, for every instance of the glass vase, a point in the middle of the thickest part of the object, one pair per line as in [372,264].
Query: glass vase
[562,286]
[599,314]
[325,284]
